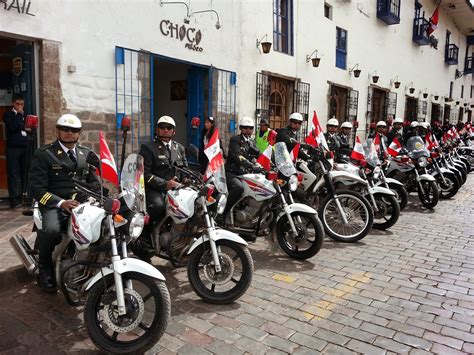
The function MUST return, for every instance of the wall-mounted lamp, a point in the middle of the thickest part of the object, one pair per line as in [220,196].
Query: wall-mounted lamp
[188,15]
[374,76]
[425,93]
[315,61]
[436,97]
[218,23]
[395,82]
[465,104]
[355,69]
[457,103]
[266,46]
[410,88]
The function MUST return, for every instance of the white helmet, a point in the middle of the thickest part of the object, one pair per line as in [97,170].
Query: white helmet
[381,124]
[69,120]
[398,120]
[414,124]
[425,125]
[166,119]
[296,116]
[246,122]
[346,125]
[333,122]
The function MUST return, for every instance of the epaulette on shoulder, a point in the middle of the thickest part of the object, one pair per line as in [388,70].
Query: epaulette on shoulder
[46,146]
[83,147]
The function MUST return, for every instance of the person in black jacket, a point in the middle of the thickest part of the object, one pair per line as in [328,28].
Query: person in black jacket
[396,131]
[53,168]
[16,150]
[242,150]
[345,147]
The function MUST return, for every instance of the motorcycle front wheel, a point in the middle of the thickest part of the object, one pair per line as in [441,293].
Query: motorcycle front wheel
[449,187]
[357,210]
[231,282]
[148,308]
[429,197]
[388,211]
[401,194]
[309,239]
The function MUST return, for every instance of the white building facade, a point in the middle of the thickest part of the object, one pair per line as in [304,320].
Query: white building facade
[145,58]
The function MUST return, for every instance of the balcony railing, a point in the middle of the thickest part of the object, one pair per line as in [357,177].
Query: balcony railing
[420,26]
[469,65]
[451,54]
[388,11]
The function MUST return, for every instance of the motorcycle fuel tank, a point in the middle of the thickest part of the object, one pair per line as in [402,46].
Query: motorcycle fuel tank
[258,187]
[180,204]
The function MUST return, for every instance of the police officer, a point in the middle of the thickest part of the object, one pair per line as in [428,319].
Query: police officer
[266,136]
[51,183]
[291,133]
[412,131]
[396,131]
[331,135]
[345,149]
[160,159]
[381,142]
[242,150]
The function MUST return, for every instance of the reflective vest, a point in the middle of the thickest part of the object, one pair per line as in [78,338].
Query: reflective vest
[263,141]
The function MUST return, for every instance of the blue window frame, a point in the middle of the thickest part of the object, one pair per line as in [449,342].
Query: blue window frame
[341,48]
[283,26]
[389,11]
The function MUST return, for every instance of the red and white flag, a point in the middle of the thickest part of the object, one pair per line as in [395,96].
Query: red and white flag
[394,147]
[358,150]
[214,155]
[433,21]
[265,158]
[109,169]
[316,135]
[430,141]
[295,151]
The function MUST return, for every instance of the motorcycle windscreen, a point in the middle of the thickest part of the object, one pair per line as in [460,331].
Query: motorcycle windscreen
[416,148]
[132,183]
[220,181]
[370,152]
[283,160]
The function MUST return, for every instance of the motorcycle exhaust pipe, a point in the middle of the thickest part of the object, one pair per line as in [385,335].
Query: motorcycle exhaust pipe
[25,253]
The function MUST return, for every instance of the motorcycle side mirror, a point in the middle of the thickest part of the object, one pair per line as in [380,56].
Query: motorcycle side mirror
[93,159]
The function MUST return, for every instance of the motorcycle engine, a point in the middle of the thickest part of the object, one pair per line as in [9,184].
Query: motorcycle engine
[246,215]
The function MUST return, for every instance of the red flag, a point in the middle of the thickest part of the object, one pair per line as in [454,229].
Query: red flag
[295,151]
[429,142]
[214,154]
[265,158]
[358,151]
[316,134]
[433,21]
[394,147]
[109,169]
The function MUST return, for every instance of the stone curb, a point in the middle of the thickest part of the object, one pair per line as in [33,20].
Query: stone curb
[14,276]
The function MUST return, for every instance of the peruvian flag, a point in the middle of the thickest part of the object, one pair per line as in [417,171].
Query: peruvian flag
[109,169]
[469,129]
[358,151]
[377,142]
[433,21]
[295,151]
[429,144]
[214,155]
[316,135]
[266,158]
[394,147]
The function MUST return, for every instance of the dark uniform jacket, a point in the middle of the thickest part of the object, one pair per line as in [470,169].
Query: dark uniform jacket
[51,174]
[158,167]
[345,148]
[240,154]
[15,123]
[290,137]
[394,134]
[333,141]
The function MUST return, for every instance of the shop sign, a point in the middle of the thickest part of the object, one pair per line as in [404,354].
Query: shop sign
[191,36]
[17,64]
[21,6]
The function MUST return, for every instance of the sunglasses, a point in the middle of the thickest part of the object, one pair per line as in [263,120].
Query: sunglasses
[296,122]
[166,127]
[246,127]
[69,129]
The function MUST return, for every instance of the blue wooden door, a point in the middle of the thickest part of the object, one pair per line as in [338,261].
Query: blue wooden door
[196,104]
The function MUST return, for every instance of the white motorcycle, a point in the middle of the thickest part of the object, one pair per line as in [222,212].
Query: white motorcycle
[127,307]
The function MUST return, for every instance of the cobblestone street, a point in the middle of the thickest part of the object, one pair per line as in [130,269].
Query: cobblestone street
[407,290]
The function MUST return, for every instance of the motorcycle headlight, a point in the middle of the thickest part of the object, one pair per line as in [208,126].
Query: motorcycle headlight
[221,204]
[376,172]
[136,225]
[422,162]
[293,183]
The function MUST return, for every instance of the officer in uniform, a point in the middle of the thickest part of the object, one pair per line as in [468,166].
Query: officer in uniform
[291,133]
[242,150]
[381,145]
[160,159]
[266,136]
[396,131]
[331,135]
[51,183]
[345,149]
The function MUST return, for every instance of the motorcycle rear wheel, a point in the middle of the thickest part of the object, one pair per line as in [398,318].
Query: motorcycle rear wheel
[401,194]
[430,197]
[112,332]
[291,245]
[449,188]
[204,280]
[389,211]
[356,208]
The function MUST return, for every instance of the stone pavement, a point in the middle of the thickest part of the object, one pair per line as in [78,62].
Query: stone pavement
[406,290]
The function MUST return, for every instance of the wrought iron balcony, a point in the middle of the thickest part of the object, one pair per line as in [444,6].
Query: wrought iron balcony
[451,54]
[420,26]
[469,65]
[388,11]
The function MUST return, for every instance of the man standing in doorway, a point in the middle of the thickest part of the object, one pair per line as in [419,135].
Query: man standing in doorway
[16,150]
[266,136]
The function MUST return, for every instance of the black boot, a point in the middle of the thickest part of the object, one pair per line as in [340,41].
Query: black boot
[45,279]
